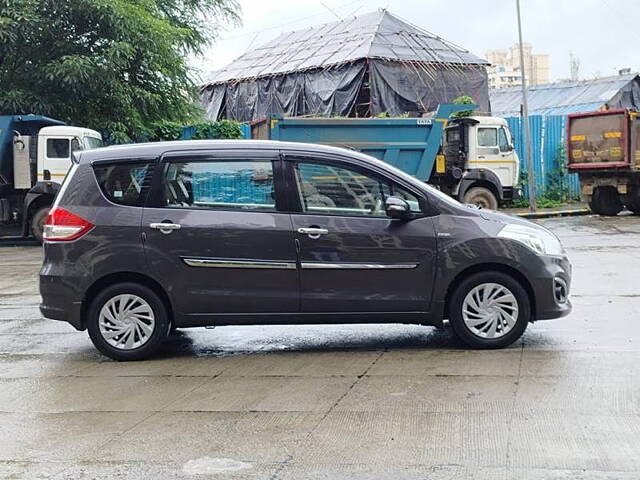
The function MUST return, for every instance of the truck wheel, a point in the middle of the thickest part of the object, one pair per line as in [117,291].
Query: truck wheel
[605,201]
[481,197]
[37,222]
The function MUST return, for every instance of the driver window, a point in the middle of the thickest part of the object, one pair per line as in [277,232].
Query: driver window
[487,137]
[57,148]
[488,141]
[333,190]
[503,142]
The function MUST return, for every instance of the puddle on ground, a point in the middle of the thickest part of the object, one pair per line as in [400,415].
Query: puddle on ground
[210,466]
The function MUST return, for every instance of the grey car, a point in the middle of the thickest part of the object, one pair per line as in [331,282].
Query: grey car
[149,237]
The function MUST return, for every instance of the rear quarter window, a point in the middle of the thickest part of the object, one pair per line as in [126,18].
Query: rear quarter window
[125,183]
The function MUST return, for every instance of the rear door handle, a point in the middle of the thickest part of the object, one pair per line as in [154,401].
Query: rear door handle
[313,232]
[165,227]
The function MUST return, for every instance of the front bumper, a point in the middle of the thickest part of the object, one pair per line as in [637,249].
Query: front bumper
[549,302]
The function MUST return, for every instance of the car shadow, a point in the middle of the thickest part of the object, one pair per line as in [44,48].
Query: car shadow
[235,340]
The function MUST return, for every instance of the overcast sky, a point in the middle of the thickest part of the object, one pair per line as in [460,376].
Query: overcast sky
[603,34]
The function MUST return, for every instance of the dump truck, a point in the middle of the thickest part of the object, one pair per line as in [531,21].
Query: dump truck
[604,150]
[470,158]
[35,155]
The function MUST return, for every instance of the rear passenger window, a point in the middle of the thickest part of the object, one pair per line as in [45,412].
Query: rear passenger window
[221,184]
[125,183]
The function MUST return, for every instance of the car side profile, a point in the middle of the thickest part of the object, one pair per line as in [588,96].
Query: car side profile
[148,237]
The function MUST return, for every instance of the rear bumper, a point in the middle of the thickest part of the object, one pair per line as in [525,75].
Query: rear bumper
[60,302]
[70,314]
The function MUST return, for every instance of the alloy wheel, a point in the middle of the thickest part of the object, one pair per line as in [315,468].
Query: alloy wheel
[126,321]
[490,310]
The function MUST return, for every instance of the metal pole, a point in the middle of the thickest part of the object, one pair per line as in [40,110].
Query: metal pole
[531,177]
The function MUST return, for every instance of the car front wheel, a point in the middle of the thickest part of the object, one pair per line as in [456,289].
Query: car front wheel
[489,310]
[127,321]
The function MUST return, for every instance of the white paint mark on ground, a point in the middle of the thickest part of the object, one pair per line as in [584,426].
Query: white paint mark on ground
[211,466]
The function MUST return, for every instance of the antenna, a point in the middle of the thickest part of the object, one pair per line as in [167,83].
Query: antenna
[574,64]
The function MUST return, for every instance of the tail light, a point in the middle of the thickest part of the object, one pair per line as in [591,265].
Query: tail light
[63,226]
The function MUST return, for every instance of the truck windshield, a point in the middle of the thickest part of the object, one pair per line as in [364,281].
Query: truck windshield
[92,142]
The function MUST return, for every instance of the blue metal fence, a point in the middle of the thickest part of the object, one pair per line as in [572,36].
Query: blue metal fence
[548,135]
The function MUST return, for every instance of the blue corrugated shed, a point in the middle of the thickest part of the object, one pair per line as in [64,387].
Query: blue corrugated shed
[563,98]
[548,134]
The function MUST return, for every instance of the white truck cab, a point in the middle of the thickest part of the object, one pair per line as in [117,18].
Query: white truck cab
[55,146]
[35,156]
[481,162]
[493,149]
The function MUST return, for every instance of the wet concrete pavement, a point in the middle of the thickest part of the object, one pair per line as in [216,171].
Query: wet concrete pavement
[328,402]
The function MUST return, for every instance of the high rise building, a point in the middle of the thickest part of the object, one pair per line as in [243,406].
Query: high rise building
[505,68]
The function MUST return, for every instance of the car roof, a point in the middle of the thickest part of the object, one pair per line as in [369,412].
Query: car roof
[155,149]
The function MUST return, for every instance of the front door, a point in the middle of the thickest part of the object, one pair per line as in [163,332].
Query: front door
[353,258]
[55,159]
[215,238]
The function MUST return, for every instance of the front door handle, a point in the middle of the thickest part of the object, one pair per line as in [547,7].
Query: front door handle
[165,227]
[313,232]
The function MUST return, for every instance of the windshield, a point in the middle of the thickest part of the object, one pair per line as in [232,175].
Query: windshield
[92,142]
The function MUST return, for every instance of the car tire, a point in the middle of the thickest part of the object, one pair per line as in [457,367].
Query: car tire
[481,197]
[469,322]
[124,307]
[605,201]
[37,222]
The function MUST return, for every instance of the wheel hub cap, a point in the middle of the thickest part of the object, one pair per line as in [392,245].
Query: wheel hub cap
[126,322]
[490,310]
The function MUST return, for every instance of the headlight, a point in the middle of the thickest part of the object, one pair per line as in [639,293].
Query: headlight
[538,239]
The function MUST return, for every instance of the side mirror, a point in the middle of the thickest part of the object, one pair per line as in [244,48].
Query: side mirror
[397,208]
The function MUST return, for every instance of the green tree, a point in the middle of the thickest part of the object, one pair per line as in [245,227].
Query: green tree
[463,100]
[118,66]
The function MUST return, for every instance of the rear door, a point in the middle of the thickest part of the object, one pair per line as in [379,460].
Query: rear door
[215,237]
[353,258]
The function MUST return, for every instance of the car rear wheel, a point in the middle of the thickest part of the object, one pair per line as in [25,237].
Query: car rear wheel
[127,321]
[481,197]
[489,310]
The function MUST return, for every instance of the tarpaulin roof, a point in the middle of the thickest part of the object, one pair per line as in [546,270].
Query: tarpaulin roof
[562,98]
[376,35]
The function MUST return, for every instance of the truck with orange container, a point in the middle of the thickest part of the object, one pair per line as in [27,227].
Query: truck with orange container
[603,147]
